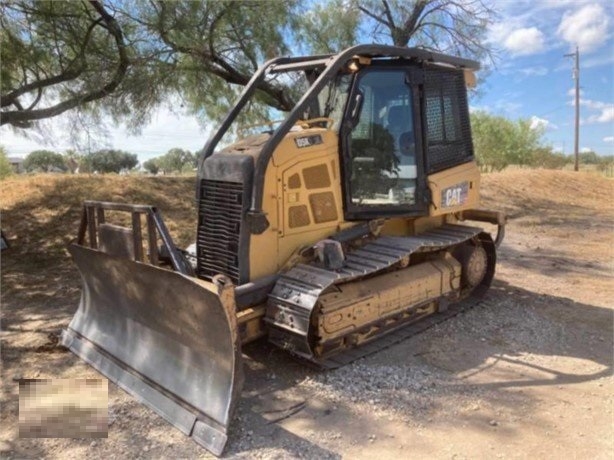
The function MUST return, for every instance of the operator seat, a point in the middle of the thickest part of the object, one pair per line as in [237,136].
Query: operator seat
[400,126]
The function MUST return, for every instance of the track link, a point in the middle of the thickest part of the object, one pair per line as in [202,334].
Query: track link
[403,332]
[291,303]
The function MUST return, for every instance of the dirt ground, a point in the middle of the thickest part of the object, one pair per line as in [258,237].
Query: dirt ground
[525,374]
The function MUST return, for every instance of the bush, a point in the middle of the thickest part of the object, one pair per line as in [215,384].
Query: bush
[545,157]
[589,158]
[606,165]
[152,165]
[499,142]
[175,160]
[110,161]
[5,166]
[44,161]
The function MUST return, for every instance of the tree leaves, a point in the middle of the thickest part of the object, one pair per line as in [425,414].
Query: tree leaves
[499,142]
[44,161]
[5,166]
[455,27]
[69,57]
[110,161]
[175,160]
[125,58]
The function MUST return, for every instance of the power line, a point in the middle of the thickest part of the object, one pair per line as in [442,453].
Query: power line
[553,110]
[576,76]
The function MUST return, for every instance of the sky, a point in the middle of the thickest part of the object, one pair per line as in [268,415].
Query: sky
[531,79]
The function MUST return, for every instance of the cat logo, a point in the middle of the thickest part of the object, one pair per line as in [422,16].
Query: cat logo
[456,195]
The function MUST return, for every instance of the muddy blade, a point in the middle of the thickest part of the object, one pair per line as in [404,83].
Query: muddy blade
[169,340]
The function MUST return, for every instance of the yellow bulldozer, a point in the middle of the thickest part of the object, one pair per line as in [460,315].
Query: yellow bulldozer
[330,232]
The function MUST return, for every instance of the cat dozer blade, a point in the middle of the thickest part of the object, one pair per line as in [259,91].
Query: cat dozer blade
[168,339]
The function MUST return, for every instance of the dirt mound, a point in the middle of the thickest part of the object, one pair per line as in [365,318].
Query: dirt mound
[521,190]
[42,212]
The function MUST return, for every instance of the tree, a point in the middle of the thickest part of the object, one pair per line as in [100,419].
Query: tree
[450,26]
[215,47]
[523,142]
[57,56]
[44,161]
[499,142]
[111,161]
[589,158]
[606,165]
[545,157]
[72,160]
[124,58]
[328,27]
[177,160]
[5,166]
[152,165]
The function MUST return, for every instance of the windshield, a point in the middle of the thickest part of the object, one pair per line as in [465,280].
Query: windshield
[257,118]
[332,100]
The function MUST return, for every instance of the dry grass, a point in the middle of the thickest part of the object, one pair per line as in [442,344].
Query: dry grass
[547,193]
[585,187]
[40,213]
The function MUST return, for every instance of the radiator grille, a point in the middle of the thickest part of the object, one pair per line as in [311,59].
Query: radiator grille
[219,228]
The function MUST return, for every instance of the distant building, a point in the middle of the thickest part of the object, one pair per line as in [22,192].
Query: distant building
[16,163]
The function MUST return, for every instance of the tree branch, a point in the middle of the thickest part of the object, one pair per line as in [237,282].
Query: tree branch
[373,16]
[23,118]
[36,100]
[388,14]
[69,74]
[404,34]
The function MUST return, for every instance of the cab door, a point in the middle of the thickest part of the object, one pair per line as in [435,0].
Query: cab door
[381,143]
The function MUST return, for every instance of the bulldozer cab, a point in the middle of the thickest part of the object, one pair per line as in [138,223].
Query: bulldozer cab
[399,114]
[373,125]
[406,120]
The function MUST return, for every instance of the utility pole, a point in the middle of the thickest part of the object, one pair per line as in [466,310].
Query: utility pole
[576,77]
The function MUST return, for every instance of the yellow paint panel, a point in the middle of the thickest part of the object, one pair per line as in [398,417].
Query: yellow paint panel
[455,189]
[263,249]
[397,227]
[359,303]
[287,190]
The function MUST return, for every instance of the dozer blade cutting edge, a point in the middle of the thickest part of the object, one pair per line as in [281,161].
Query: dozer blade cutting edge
[169,340]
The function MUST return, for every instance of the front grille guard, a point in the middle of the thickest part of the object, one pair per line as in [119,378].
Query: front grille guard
[94,218]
